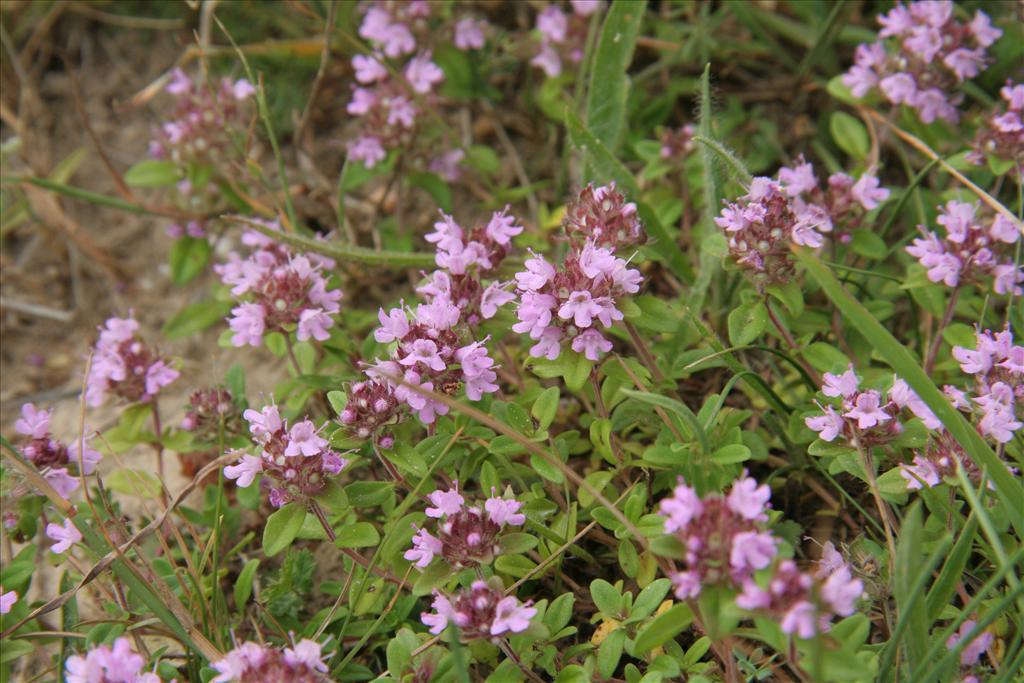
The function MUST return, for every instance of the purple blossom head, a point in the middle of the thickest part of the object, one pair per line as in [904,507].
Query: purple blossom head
[603,216]
[970,655]
[63,535]
[253,663]
[480,612]
[922,56]
[7,600]
[109,663]
[50,456]
[724,536]
[123,366]
[296,462]
[466,535]
[469,33]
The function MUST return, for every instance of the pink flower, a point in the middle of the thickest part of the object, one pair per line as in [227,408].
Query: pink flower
[681,508]
[799,179]
[248,324]
[242,89]
[511,617]
[829,425]
[305,653]
[548,344]
[933,104]
[687,584]
[538,272]
[424,351]
[751,550]
[7,600]
[423,74]
[552,24]
[493,298]
[844,385]
[159,375]
[984,33]
[899,88]
[443,614]
[446,502]
[896,22]
[503,511]
[393,326]
[61,481]
[368,69]
[801,619]
[179,84]
[33,422]
[580,307]
[867,410]
[534,314]
[584,8]
[749,500]
[424,548]
[970,655]
[469,34]
[548,61]
[867,192]
[245,470]
[65,535]
[502,227]
[591,344]
[313,322]
[303,439]
[367,149]
[841,591]
[965,63]
[905,397]
[263,424]
[860,79]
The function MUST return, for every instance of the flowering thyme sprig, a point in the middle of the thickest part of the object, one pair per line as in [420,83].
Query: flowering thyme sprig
[481,612]
[278,291]
[466,535]
[58,463]
[724,537]
[930,54]
[254,663]
[123,366]
[296,462]
[118,663]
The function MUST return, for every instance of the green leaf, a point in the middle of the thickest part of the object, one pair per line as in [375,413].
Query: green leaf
[609,82]
[433,185]
[663,628]
[609,652]
[869,244]
[545,407]
[517,543]
[152,173]
[649,599]
[850,134]
[514,565]
[606,597]
[908,566]
[747,322]
[942,590]
[358,535]
[895,353]
[574,673]
[15,649]
[282,527]
[195,318]
[133,483]
[189,257]
[731,454]
[243,584]
[679,409]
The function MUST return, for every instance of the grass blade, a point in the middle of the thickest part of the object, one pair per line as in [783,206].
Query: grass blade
[676,407]
[899,359]
[609,82]
[945,586]
[907,575]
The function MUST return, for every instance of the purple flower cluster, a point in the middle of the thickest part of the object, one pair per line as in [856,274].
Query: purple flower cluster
[938,461]
[51,457]
[562,36]
[805,602]
[678,143]
[763,223]
[1002,134]
[843,203]
[929,55]
[559,305]
[724,537]
[481,612]
[199,129]
[63,535]
[970,655]
[278,292]
[467,535]
[866,417]
[385,105]
[997,365]
[296,462]
[211,412]
[7,600]
[976,247]
[125,367]
[254,663]
[470,33]
[109,664]
[465,259]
